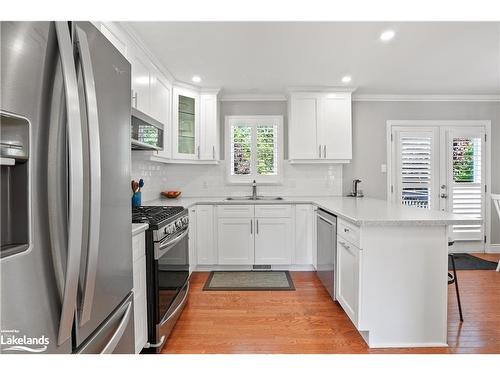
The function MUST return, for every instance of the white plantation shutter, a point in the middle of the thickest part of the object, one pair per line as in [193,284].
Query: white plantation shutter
[415,168]
[466,189]
[254,148]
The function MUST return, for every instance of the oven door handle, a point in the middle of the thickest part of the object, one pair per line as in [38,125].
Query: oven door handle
[163,247]
[179,306]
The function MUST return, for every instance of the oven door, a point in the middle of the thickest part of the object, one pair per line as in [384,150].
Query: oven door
[172,271]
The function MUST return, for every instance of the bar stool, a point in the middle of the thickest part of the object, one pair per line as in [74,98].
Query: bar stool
[452,279]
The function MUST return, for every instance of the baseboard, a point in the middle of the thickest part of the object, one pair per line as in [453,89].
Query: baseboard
[494,248]
[289,267]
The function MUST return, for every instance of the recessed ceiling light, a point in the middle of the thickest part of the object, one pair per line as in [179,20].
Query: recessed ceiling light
[196,79]
[346,79]
[387,35]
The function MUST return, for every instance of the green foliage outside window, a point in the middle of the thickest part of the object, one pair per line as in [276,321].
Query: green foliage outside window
[463,160]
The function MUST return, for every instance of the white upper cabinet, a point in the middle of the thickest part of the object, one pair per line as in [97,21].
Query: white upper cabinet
[209,127]
[140,83]
[161,98]
[195,125]
[320,127]
[302,127]
[185,124]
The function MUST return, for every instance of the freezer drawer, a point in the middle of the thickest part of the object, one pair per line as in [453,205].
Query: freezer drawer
[116,334]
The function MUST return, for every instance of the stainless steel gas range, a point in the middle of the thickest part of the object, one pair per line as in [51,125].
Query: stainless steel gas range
[167,269]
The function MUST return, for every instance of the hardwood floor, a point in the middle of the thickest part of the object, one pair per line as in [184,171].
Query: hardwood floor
[308,321]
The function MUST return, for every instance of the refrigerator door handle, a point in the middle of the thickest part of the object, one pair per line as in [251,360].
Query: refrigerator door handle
[74,130]
[95,175]
[115,339]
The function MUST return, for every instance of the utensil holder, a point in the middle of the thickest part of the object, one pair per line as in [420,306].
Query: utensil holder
[136,199]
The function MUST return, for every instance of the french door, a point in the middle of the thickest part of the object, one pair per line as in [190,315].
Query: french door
[442,168]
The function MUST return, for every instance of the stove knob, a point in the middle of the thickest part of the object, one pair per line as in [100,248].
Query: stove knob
[178,223]
[170,229]
[185,220]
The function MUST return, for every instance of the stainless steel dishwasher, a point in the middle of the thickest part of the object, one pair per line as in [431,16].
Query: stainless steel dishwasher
[326,227]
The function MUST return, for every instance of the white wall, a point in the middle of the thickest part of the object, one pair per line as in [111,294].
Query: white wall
[369,140]
[210,180]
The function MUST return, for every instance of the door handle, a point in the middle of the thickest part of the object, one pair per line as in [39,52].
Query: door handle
[443,195]
[198,152]
[75,149]
[213,152]
[95,174]
[257,226]
[115,339]
[251,226]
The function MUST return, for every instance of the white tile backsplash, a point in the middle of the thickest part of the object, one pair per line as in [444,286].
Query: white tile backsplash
[209,180]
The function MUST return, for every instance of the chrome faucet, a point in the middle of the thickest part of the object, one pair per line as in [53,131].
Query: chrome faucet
[355,184]
[254,190]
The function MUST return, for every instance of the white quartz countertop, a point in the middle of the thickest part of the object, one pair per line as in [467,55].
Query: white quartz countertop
[138,228]
[359,211]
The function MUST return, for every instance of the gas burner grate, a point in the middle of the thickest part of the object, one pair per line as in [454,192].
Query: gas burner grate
[154,215]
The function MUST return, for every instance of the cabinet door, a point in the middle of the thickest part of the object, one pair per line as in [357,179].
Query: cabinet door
[140,84]
[348,265]
[185,124]
[303,234]
[205,235]
[140,309]
[273,241]
[209,127]
[160,99]
[335,129]
[235,241]
[303,143]
[193,253]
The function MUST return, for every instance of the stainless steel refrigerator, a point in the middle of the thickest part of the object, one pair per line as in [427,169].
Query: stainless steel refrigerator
[66,252]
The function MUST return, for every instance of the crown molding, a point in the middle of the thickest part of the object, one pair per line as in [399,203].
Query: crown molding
[424,98]
[254,98]
[320,89]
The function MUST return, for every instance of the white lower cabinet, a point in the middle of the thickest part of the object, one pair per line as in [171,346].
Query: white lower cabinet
[273,240]
[235,241]
[304,230]
[139,276]
[348,273]
[246,234]
[205,241]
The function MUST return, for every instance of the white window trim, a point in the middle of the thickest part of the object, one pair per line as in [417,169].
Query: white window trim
[265,180]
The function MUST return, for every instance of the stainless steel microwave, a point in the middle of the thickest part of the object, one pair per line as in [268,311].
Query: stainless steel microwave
[146,132]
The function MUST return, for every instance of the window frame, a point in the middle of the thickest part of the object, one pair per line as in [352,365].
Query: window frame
[253,121]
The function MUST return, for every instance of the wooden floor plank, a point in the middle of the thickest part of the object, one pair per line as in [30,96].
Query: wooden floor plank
[307,320]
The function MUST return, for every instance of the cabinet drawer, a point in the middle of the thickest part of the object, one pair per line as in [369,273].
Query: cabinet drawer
[138,246]
[348,231]
[273,210]
[235,210]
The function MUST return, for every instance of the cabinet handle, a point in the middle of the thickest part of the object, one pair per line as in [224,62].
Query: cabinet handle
[344,245]
[213,152]
[134,98]
[257,226]
[319,151]
[324,151]
[198,152]
[251,226]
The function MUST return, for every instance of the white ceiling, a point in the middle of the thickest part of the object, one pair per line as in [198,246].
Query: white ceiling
[268,57]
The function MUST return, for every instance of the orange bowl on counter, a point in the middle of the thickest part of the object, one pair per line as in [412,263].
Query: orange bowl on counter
[171,194]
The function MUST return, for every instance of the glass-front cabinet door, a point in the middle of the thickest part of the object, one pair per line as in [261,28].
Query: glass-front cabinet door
[186,124]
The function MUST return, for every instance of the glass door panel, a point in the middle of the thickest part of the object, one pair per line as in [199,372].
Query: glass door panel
[187,130]
[463,191]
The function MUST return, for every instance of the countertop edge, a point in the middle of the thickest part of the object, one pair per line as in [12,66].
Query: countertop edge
[192,201]
[139,228]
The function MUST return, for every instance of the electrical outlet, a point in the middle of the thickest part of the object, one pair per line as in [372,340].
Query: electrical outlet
[383,168]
